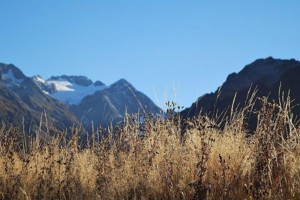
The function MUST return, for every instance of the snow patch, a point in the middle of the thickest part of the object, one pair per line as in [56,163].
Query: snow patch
[110,104]
[71,93]
[11,79]
[65,90]
[61,86]
[39,79]
[45,92]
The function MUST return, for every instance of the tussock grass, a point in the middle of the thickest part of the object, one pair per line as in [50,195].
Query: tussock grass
[159,160]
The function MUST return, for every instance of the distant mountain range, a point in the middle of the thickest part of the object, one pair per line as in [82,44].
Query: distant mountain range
[66,101]
[24,105]
[94,102]
[268,75]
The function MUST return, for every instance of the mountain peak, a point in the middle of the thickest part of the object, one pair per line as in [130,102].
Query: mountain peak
[6,68]
[38,79]
[269,69]
[270,61]
[108,106]
[98,83]
[121,83]
[11,75]
[264,74]
[78,80]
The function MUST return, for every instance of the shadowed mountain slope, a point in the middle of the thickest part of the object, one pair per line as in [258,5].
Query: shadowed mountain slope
[267,75]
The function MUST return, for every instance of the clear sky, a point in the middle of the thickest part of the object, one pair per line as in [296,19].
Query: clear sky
[169,49]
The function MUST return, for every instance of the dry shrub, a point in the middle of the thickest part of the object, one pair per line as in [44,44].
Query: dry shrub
[156,159]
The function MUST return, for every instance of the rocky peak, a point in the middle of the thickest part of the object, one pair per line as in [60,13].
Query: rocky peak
[11,75]
[269,70]
[39,81]
[7,68]
[109,106]
[121,84]
[98,83]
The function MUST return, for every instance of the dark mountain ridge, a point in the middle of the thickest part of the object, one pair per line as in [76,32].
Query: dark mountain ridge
[267,75]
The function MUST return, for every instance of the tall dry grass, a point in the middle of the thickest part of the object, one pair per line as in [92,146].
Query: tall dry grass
[159,160]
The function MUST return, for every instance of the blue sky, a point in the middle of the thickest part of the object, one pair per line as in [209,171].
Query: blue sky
[169,49]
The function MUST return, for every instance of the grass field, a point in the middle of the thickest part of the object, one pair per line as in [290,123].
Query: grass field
[166,162]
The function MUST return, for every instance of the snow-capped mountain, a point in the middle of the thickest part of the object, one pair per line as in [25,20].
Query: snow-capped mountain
[65,99]
[68,89]
[22,103]
[109,106]
[95,102]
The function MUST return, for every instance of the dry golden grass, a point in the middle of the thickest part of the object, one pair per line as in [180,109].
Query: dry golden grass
[158,161]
